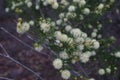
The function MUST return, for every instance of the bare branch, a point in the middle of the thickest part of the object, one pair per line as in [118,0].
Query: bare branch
[21,41]
[17,62]
[4,78]
[4,50]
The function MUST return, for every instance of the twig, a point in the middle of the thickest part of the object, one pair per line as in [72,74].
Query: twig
[43,45]
[4,50]
[20,40]
[17,62]
[39,1]
[4,78]
[84,72]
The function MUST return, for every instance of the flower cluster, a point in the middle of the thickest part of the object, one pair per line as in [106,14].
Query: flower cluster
[73,36]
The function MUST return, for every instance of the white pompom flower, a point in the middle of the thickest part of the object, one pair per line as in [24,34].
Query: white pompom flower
[7,9]
[96,44]
[55,5]
[91,79]
[68,28]
[94,34]
[76,1]
[22,28]
[76,32]
[29,4]
[38,48]
[117,54]
[31,22]
[100,6]
[108,70]
[57,33]
[84,58]
[80,47]
[101,71]
[45,27]
[86,11]
[63,55]
[58,22]
[71,8]
[82,3]
[65,74]
[37,7]
[63,37]
[57,63]
[79,40]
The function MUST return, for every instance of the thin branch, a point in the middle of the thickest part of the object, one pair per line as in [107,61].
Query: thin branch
[4,50]
[4,78]
[42,15]
[21,41]
[84,72]
[53,52]
[27,68]
[17,62]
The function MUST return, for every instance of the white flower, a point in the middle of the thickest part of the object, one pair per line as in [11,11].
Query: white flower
[57,63]
[45,3]
[79,40]
[63,37]
[68,28]
[101,71]
[26,1]
[7,9]
[13,6]
[108,70]
[45,27]
[64,2]
[29,4]
[65,74]
[84,35]
[50,1]
[93,53]
[91,79]
[70,40]
[76,32]
[31,23]
[65,19]
[86,11]
[95,30]
[58,22]
[77,53]
[94,34]
[100,6]
[80,47]
[73,61]
[62,15]
[71,15]
[96,44]
[37,7]
[84,58]
[71,8]
[112,1]
[22,28]
[82,3]
[88,42]
[117,54]
[52,23]
[38,48]
[57,34]
[63,55]
[99,36]
[81,17]
[55,5]
[76,1]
